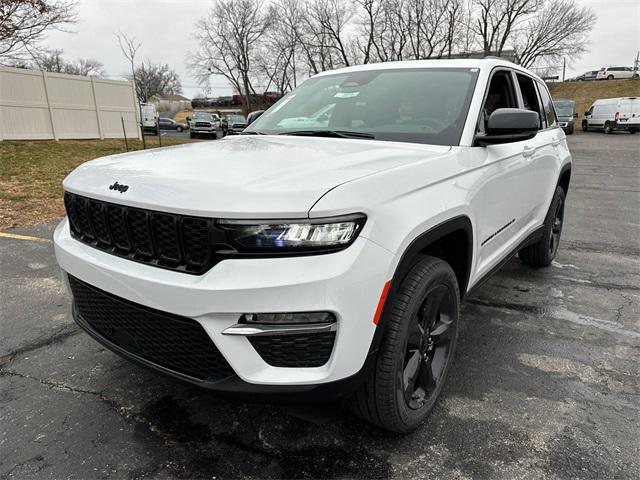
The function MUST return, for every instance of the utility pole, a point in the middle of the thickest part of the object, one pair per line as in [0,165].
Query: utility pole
[564,66]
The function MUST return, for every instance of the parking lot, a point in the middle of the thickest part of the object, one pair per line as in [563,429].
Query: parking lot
[545,383]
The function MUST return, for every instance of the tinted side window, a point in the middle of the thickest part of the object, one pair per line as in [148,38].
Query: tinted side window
[548,106]
[530,97]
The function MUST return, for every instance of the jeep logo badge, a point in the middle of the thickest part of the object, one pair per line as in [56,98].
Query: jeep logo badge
[120,188]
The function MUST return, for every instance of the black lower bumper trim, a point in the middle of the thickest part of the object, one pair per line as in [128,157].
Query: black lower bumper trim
[235,387]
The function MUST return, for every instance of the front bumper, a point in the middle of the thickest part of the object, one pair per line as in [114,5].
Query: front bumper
[346,283]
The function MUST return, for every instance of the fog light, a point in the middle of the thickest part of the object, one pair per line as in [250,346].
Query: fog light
[288,318]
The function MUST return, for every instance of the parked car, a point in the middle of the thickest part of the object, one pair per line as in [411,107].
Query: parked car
[171,124]
[237,123]
[253,116]
[322,263]
[586,76]
[204,123]
[616,73]
[566,113]
[611,114]
[149,118]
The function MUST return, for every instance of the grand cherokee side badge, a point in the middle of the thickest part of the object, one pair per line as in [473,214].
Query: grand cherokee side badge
[120,188]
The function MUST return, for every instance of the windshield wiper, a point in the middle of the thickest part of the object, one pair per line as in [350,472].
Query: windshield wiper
[329,133]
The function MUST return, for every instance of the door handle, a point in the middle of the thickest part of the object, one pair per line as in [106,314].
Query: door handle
[528,151]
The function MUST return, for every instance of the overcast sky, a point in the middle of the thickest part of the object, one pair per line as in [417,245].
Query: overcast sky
[165,29]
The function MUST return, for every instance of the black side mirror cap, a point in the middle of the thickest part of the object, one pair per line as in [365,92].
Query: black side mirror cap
[575,115]
[506,125]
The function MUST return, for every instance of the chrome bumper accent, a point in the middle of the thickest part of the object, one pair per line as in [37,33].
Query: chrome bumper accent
[256,330]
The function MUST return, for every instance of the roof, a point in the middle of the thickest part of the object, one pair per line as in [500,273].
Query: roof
[480,63]
[172,97]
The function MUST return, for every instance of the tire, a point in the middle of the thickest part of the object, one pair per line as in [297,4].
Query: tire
[570,132]
[542,253]
[610,77]
[420,337]
[179,129]
[633,131]
[192,135]
[585,126]
[607,128]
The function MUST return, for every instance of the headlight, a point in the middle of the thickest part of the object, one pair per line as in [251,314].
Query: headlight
[293,236]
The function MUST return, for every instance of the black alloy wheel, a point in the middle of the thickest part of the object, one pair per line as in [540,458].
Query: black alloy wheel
[543,251]
[556,228]
[429,347]
[420,322]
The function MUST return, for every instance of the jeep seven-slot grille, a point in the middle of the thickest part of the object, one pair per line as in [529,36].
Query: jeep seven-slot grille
[176,343]
[166,240]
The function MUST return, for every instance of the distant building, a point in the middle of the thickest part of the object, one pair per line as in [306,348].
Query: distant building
[171,101]
[509,55]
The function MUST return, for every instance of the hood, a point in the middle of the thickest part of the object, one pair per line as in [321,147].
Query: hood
[565,118]
[240,177]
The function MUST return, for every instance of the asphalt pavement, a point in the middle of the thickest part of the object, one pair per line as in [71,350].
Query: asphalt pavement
[546,381]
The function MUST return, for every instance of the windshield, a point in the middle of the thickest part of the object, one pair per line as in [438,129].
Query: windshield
[206,116]
[564,109]
[236,118]
[405,105]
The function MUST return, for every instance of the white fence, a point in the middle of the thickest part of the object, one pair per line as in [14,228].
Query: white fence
[40,105]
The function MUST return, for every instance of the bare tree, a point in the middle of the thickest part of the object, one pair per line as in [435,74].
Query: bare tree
[53,61]
[327,21]
[497,20]
[129,47]
[229,38]
[559,29]
[24,23]
[155,79]
[278,61]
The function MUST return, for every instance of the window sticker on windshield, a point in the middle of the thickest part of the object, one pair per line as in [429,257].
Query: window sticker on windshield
[346,94]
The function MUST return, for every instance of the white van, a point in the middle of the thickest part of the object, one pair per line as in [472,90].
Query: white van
[149,117]
[611,114]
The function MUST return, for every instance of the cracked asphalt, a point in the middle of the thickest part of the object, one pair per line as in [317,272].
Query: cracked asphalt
[546,381]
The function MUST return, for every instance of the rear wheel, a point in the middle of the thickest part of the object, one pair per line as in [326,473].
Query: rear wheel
[542,253]
[416,351]
[607,128]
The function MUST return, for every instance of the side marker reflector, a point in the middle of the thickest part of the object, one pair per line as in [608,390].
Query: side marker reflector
[383,298]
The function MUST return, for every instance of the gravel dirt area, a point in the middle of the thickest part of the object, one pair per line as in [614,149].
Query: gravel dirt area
[545,384]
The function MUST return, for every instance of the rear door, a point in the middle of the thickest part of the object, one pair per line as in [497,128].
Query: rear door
[552,148]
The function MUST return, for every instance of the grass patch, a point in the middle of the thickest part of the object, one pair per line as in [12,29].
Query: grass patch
[181,116]
[31,174]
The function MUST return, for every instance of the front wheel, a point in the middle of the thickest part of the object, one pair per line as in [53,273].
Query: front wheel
[607,128]
[179,129]
[542,253]
[416,351]
[585,126]
[610,77]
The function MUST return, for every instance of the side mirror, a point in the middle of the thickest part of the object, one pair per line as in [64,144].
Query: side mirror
[506,125]
[575,115]
[253,116]
[188,119]
[586,113]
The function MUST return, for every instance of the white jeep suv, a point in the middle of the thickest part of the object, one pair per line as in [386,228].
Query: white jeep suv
[328,262]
